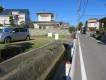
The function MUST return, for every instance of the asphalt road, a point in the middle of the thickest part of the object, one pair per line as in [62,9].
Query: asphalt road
[94,57]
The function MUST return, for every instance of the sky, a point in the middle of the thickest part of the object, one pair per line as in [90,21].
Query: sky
[64,10]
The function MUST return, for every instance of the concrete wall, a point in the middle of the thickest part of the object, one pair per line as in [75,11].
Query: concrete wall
[32,65]
[4,19]
[37,32]
[36,26]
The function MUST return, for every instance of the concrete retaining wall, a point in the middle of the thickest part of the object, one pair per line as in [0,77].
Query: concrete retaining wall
[33,65]
[35,32]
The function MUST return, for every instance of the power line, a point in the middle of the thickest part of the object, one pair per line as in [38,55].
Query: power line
[84,9]
[80,4]
[1,3]
[94,15]
[78,10]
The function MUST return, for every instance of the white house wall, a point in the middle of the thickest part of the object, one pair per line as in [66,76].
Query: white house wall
[44,17]
[93,25]
[4,20]
[98,24]
[36,26]
[21,18]
[15,13]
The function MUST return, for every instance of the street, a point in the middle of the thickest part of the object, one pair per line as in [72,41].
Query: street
[94,57]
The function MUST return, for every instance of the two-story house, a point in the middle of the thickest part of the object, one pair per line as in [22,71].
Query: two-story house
[19,15]
[47,21]
[93,24]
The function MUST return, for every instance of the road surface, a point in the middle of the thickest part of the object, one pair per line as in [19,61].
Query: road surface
[94,58]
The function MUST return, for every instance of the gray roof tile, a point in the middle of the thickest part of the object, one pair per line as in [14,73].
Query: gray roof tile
[8,11]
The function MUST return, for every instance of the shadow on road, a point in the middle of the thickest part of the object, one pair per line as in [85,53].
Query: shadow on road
[102,42]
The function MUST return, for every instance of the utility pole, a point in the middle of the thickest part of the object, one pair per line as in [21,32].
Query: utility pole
[78,12]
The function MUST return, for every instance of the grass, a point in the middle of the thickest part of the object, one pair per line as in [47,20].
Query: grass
[10,50]
[19,47]
[65,38]
[2,45]
[38,41]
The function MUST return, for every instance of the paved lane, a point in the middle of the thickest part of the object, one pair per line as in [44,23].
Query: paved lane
[94,56]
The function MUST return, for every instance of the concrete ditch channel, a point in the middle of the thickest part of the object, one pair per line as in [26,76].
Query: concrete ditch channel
[37,64]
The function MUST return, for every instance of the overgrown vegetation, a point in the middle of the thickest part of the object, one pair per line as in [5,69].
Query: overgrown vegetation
[38,62]
[11,20]
[79,27]
[15,48]
[1,9]
[71,29]
[22,24]
[1,25]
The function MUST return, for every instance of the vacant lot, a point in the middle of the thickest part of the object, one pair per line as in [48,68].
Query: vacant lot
[10,50]
[33,65]
[38,62]
[37,41]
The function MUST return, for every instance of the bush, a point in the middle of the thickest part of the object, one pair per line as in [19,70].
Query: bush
[1,25]
[71,29]
[1,9]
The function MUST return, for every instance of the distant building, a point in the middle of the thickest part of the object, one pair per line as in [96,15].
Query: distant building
[93,24]
[45,16]
[46,21]
[102,23]
[19,15]
[64,25]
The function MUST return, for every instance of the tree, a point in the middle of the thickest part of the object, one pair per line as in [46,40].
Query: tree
[103,24]
[1,9]
[22,23]
[1,25]
[30,25]
[86,24]
[80,26]
[71,29]
[11,21]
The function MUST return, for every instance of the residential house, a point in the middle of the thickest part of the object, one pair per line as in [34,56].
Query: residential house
[102,23]
[19,15]
[46,21]
[93,24]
